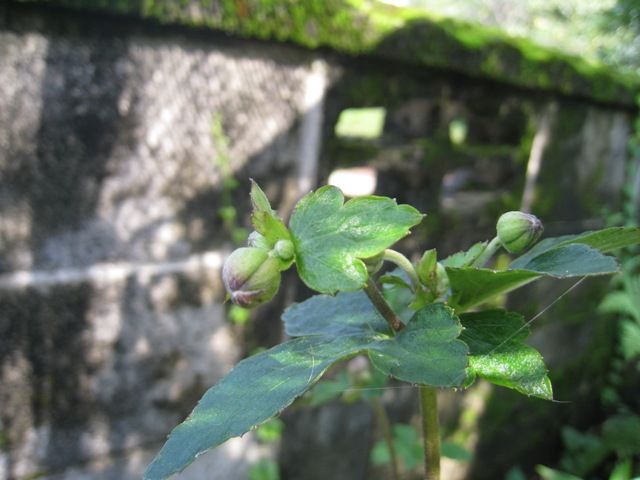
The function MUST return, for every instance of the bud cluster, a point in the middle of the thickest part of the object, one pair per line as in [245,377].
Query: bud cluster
[251,274]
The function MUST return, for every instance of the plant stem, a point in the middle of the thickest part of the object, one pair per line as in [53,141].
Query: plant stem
[382,306]
[403,262]
[383,421]
[430,432]
[490,249]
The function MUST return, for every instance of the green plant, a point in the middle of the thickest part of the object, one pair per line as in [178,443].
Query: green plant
[423,331]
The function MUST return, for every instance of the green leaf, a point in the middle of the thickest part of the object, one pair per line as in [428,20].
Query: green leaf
[623,470]
[256,389]
[602,240]
[573,260]
[498,354]
[398,293]
[621,434]
[406,443]
[266,469]
[547,473]
[426,352]
[330,236]
[264,219]
[270,431]
[464,259]
[455,452]
[345,314]
[471,286]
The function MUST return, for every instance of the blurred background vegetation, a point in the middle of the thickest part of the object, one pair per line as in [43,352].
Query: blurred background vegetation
[603,30]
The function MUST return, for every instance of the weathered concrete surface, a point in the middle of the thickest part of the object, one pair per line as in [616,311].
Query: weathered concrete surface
[111,317]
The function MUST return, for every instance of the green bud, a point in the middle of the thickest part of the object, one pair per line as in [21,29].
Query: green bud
[518,231]
[442,281]
[251,276]
[284,250]
[426,266]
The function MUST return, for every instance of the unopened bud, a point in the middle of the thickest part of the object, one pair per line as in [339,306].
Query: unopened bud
[284,249]
[518,231]
[251,276]
[442,281]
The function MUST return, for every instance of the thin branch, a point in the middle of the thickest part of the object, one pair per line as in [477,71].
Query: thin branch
[430,432]
[382,306]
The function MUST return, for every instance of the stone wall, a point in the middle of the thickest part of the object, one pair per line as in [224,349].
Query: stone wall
[112,323]
[118,141]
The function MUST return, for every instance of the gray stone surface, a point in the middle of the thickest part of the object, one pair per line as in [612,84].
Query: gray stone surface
[111,317]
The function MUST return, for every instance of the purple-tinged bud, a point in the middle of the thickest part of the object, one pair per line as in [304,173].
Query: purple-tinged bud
[518,231]
[251,276]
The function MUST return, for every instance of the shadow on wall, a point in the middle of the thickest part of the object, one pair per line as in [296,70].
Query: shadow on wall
[45,344]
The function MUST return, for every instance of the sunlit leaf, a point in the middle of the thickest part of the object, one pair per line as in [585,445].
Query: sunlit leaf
[426,351]
[258,388]
[602,240]
[498,354]
[331,237]
[471,286]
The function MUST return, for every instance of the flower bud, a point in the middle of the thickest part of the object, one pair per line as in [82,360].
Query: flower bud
[518,231]
[442,281]
[251,276]
[284,249]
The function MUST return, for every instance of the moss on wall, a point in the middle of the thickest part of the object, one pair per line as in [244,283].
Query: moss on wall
[361,27]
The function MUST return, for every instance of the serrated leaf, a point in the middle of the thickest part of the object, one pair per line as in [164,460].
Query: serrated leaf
[602,240]
[471,286]
[426,352]
[255,390]
[348,313]
[264,219]
[331,237]
[573,260]
[498,354]
[464,259]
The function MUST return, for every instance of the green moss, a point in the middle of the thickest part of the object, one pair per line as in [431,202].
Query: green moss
[360,27]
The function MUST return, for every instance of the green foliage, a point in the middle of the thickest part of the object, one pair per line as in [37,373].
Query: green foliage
[264,470]
[361,122]
[498,353]
[411,332]
[270,431]
[408,447]
[359,27]
[331,237]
